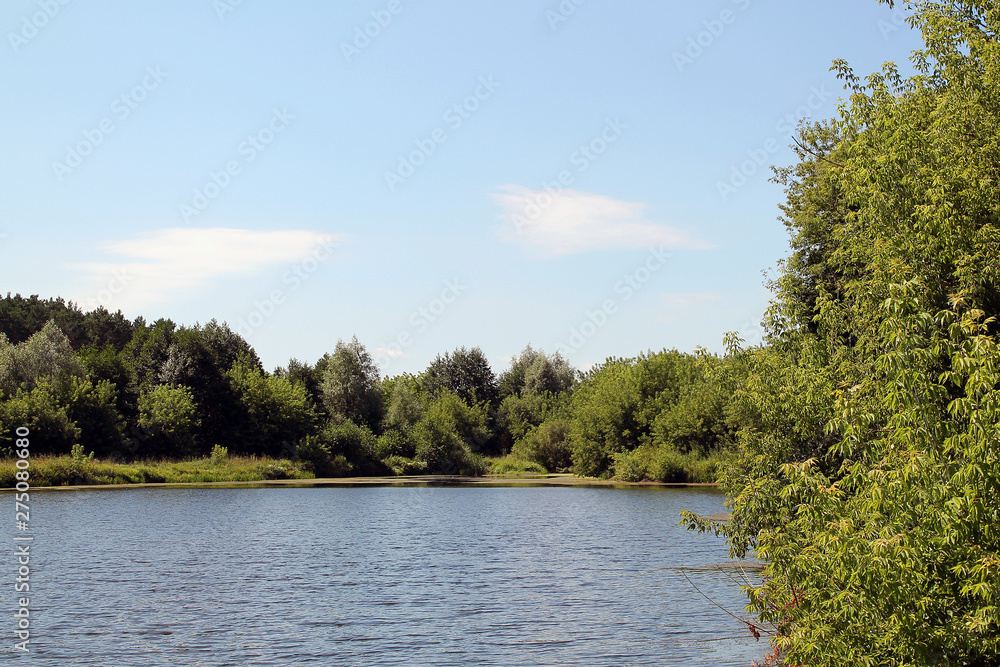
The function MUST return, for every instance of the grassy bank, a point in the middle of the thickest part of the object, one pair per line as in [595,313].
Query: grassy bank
[86,471]
[81,471]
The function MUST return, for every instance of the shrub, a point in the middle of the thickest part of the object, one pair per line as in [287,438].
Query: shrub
[219,455]
[79,454]
[314,452]
[632,466]
[394,443]
[474,465]
[512,465]
[400,465]
[547,445]
[669,465]
[171,415]
[356,444]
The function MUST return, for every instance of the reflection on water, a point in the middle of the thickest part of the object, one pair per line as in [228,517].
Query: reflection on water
[381,576]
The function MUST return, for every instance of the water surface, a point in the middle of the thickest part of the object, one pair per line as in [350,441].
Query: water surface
[379,576]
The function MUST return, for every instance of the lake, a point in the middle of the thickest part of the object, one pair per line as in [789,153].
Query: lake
[429,575]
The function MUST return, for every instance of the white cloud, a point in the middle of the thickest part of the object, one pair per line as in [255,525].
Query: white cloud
[164,263]
[688,299]
[573,222]
[390,352]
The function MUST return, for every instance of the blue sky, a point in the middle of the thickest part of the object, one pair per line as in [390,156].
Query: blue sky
[424,175]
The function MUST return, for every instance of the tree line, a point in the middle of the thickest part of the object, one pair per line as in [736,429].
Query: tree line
[132,390]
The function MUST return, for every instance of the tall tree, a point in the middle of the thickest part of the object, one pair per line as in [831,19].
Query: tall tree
[882,539]
[351,385]
[45,354]
[465,372]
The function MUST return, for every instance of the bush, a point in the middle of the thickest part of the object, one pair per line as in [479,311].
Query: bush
[474,465]
[394,443]
[277,470]
[665,464]
[355,444]
[439,446]
[171,416]
[316,454]
[631,466]
[400,465]
[669,465]
[79,454]
[219,455]
[547,445]
[512,465]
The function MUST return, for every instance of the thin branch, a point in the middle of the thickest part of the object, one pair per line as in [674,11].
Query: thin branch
[738,618]
[815,154]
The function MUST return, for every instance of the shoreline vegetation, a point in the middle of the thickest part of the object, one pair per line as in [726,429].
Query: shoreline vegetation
[201,480]
[69,473]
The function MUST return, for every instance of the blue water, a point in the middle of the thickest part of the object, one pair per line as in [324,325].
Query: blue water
[377,576]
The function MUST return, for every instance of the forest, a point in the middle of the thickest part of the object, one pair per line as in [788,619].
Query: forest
[858,444]
[131,390]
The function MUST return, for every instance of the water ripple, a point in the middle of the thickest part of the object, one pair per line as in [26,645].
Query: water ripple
[380,576]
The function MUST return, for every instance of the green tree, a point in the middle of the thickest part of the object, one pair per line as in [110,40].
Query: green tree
[146,353]
[605,417]
[170,415]
[351,385]
[404,406]
[869,457]
[21,318]
[534,371]
[93,410]
[105,364]
[43,412]
[102,328]
[279,410]
[227,346]
[309,377]
[465,372]
[45,354]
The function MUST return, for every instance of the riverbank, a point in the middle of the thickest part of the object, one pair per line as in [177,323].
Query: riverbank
[79,472]
[412,480]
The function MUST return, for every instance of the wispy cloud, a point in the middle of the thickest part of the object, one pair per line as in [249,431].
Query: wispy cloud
[164,263]
[570,221]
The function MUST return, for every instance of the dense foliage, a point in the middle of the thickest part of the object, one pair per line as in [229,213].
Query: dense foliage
[868,472]
[132,391]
